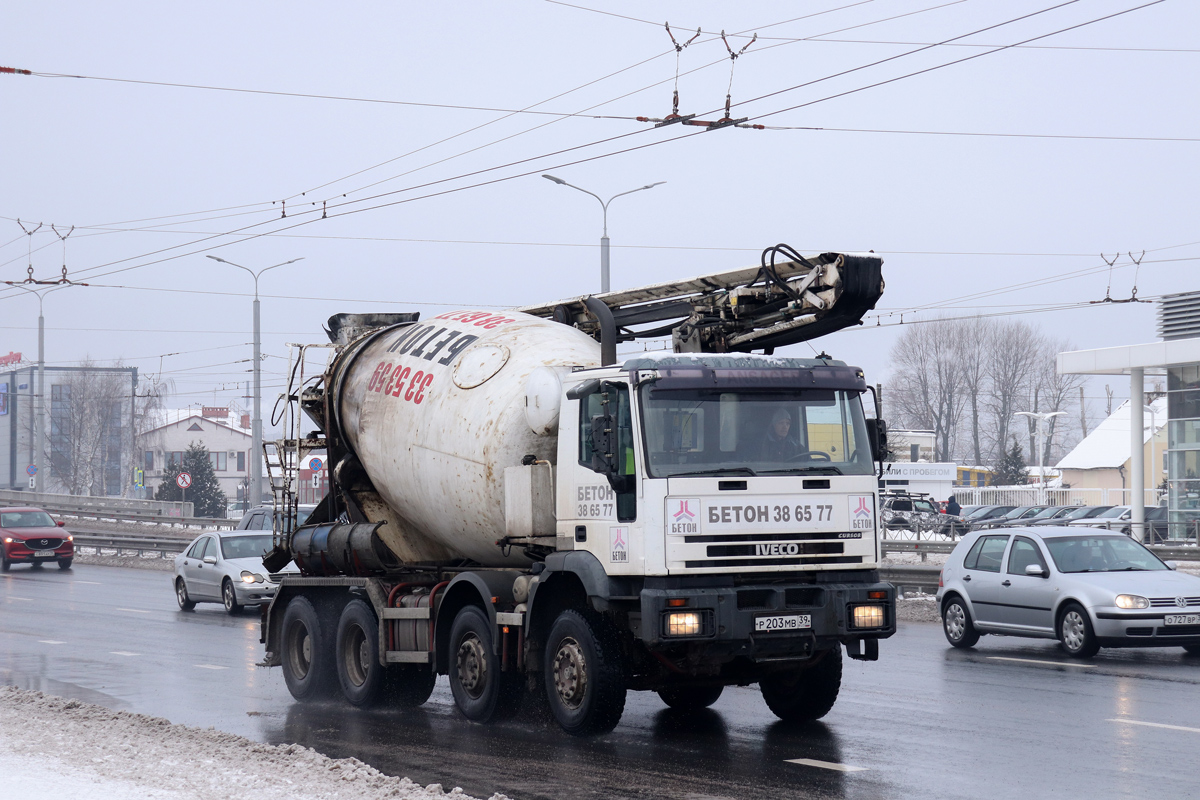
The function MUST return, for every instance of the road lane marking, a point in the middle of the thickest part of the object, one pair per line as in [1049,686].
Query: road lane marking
[50,641]
[833,765]
[122,653]
[22,599]
[135,610]
[1156,725]
[209,666]
[90,583]
[1036,661]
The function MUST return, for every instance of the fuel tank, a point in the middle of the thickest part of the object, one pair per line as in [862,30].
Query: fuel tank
[436,410]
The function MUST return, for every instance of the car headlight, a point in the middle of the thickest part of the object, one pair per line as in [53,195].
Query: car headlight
[867,617]
[251,577]
[10,540]
[1132,601]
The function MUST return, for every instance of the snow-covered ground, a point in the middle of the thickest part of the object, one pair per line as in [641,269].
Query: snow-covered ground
[52,748]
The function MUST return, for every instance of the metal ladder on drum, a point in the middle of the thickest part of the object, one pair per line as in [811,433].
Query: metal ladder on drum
[284,456]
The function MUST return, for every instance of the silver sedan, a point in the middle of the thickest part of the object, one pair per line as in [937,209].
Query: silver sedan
[1088,589]
[225,567]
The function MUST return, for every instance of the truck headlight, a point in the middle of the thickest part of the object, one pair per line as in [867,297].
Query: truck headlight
[1132,601]
[687,623]
[867,617]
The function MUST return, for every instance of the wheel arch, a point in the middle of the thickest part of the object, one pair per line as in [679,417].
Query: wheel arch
[467,589]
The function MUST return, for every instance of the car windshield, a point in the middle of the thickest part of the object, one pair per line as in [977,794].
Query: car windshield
[245,546]
[734,430]
[1018,512]
[1047,513]
[1080,513]
[977,512]
[925,506]
[1101,554]
[26,519]
[1115,511]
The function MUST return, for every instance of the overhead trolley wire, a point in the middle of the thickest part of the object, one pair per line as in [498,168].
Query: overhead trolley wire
[91,271]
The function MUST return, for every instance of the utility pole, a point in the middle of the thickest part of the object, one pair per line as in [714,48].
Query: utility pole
[255,465]
[1082,413]
[39,401]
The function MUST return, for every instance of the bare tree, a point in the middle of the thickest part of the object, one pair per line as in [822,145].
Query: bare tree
[1013,357]
[1055,392]
[972,341]
[926,387]
[88,416]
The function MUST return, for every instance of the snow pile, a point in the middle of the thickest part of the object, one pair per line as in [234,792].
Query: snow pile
[52,747]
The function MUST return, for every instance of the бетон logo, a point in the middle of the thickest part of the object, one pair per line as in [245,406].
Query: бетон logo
[682,519]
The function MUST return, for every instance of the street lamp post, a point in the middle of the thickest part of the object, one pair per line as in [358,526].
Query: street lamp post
[39,405]
[604,207]
[255,464]
[1042,419]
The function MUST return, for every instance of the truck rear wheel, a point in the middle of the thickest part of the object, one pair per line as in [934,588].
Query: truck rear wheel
[307,652]
[359,672]
[689,698]
[585,681]
[805,694]
[481,691]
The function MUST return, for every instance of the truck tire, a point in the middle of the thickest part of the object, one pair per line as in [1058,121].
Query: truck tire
[690,698]
[356,654]
[409,685]
[306,652]
[805,694]
[585,678]
[481,691]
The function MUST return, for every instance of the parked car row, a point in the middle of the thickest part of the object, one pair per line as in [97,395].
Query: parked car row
[1087,588]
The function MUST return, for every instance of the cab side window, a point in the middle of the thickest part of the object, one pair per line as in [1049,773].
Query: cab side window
[1024,552]
[987,553]
[619,406]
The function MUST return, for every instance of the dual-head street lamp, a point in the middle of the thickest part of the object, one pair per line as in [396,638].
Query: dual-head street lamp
[604,207]
[255,465]
[1042,418]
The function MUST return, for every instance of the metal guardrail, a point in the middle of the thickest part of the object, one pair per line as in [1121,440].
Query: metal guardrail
[164,546]
[119,509]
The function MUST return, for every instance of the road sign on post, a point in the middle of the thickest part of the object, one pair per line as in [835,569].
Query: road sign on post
[183,480]
[31,470]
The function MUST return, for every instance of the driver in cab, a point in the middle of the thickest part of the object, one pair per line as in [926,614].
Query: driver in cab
[777,444]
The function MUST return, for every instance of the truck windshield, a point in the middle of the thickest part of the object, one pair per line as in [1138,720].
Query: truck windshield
[754,432]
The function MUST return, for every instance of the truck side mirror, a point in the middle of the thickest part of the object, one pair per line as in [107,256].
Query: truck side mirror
[604,444]
[877,435]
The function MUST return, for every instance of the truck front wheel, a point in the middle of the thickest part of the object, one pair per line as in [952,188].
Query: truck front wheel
[481,691]
[805,694]
[307,652]
[585,682]
[357,655]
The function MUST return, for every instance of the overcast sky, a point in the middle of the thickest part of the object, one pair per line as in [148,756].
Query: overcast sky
[965,224]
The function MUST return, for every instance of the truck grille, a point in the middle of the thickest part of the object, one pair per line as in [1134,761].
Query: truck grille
[786,561]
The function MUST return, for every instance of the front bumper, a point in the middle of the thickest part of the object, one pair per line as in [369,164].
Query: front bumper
[1116,627]
[20,554]
[249,594]
[728,614]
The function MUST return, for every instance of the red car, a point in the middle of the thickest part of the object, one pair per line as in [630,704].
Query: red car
[31,536]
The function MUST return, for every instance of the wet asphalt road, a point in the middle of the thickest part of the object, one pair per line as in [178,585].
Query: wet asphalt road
[1013,718]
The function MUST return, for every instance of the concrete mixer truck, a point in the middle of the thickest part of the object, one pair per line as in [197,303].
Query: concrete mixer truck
[519,508]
